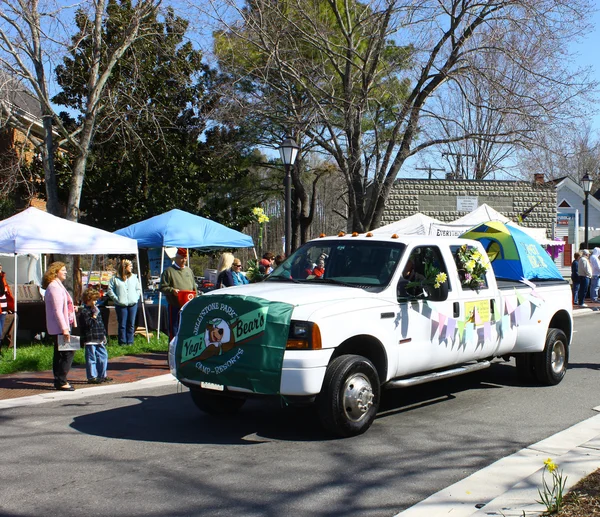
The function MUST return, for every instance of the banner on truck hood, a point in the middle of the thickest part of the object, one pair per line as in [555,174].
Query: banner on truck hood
[234,341]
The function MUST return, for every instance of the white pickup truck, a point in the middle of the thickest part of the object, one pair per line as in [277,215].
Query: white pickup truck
[385,312]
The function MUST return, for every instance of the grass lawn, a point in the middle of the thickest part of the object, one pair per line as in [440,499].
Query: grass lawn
[35,357]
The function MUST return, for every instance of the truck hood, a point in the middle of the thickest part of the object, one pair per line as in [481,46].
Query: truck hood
[295,294]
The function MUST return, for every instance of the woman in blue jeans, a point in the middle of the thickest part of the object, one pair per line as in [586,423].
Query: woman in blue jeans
[124,290]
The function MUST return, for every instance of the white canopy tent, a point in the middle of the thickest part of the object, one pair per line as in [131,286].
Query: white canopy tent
[35,231]
[483,214]
[418,224]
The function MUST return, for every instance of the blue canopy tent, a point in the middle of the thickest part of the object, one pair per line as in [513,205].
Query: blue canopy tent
[180,229]
[513,253]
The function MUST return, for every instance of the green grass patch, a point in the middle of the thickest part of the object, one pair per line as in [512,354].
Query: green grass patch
[35,357]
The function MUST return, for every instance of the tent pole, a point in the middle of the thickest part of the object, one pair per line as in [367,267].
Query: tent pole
[137,256]
[255,255]
[162,264]
[15,316]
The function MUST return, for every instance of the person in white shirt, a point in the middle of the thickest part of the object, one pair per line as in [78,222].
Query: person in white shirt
[584,270]
[595,263]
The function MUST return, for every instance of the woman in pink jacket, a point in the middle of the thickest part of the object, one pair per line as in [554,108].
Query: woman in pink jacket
[60,317]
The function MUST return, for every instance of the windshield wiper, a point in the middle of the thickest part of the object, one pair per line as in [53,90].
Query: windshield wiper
[282,279]
[336,282]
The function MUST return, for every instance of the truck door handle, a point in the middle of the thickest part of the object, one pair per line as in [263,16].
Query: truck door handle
[456,308]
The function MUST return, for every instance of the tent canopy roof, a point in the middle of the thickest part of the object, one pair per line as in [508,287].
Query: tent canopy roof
[414,224]
[35,231]
[182,229]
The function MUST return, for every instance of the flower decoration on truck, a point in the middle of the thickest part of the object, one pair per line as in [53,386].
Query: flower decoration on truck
[432,276]
[472,266]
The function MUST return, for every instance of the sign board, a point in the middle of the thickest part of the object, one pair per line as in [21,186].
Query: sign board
[565,219]
[28,293]
[466,203]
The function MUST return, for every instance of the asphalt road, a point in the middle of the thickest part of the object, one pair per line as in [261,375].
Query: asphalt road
[151,453]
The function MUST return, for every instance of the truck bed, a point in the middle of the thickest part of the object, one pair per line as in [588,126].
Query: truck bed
[515,284]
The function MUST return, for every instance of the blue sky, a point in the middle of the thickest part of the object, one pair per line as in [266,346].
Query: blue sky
[588,55]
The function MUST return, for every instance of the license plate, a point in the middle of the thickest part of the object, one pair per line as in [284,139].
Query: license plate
[212,386]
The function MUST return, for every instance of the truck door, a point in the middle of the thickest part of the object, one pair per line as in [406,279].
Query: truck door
[422,338]
[479,304]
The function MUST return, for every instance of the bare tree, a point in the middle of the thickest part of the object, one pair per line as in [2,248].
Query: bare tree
[564,151]
[33,36]
[372,76]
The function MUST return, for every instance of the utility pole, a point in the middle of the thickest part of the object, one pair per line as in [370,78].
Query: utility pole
[459,155]
[430,169]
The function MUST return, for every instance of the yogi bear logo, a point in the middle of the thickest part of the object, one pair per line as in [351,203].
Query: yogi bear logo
[219,329]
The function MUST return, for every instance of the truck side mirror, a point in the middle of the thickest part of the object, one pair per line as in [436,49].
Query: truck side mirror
[440,294]
[423,292]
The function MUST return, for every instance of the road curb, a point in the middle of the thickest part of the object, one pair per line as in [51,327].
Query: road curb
[509,487]
[158,380]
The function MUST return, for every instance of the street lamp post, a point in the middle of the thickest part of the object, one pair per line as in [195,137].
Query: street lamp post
[288,151]
[586,182]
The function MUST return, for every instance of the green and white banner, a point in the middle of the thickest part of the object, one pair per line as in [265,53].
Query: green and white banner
[233,341]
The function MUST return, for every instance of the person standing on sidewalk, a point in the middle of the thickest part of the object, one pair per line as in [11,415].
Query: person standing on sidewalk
[60,317]
[575,277]
[124,290]
[176,278]
[93,336]
[584,270]
[595,263]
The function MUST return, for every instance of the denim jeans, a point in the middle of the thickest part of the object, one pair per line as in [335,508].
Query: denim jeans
[575,289]
[96,361]
[126,323]
[2,318]
[594,288]
[584,283]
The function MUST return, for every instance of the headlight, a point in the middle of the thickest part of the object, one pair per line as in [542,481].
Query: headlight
[304,335]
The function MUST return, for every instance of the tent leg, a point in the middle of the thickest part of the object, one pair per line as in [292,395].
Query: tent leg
[137,256]
[162,264]
[16,318]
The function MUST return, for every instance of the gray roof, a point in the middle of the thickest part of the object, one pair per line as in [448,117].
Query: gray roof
[18,96]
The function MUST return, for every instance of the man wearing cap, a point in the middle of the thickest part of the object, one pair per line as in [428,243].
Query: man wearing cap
[175,278]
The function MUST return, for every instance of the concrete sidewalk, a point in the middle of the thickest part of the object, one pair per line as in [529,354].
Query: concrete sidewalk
[123,369]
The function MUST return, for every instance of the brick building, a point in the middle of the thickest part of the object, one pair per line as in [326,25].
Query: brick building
[449,199]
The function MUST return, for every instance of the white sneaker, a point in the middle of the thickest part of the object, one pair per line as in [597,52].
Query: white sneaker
[583,305]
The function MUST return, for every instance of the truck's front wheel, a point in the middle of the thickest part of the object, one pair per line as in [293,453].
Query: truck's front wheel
[214,403]
[349,399]
[551,364]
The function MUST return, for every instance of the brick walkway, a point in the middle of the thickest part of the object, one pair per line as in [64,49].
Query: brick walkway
[127,368]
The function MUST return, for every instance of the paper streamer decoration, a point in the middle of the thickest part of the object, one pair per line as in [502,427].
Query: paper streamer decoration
[520,297]
[476,316]
[497,312]
[442,321]
[505,324]
[487,331]
[469,330]
[461,328]
[450,328]
[523,311]
[510,308]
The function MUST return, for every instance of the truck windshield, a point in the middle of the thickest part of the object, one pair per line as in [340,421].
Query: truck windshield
[355,263]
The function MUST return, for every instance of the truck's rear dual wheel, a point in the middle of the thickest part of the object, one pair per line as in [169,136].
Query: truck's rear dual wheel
[349,400]
[551,364]
[214,403]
